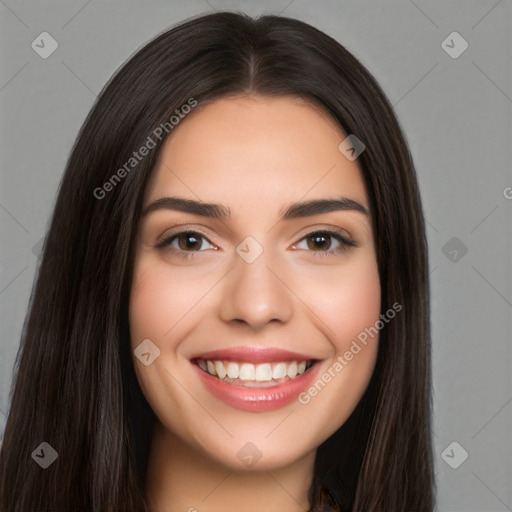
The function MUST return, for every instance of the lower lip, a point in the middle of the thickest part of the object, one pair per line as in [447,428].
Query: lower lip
[258,399]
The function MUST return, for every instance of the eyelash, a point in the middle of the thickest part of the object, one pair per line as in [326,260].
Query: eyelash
[345,243]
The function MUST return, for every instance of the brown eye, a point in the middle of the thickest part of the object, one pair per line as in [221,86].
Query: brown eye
[189,241]
[320,241]
[185,241]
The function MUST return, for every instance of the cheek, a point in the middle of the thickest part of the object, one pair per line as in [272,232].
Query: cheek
[153,311]
[164,304]
[349,304]
[348,307]
[156,305]
[150,306]
[160,298]
[358,310]
[346,301]
[357,305]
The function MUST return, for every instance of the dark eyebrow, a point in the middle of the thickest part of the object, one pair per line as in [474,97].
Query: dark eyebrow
[188,206]
[316,206]
[217,211]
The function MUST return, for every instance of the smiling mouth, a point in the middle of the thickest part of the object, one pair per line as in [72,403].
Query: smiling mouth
[254,375]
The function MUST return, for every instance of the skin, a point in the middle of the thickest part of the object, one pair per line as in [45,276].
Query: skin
[255,155]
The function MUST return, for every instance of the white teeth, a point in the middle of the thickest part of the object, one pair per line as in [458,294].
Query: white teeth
[264,372]
[279,371]
[211,367]
[232,370]
[292,370]
[247,372]
[219,368]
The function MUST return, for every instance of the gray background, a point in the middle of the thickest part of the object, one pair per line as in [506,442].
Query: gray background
[456,114]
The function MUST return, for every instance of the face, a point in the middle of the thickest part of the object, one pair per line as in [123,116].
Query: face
[267,296]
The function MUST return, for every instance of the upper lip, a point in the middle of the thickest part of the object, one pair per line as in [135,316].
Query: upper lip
[253,354]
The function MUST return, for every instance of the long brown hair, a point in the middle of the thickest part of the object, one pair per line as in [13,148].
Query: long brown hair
[75,386]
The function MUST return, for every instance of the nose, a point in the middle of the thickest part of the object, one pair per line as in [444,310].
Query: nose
[256,294]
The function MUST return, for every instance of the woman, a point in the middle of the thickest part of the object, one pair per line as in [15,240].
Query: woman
[190,344]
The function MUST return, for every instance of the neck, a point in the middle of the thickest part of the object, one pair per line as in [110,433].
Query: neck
[182,479]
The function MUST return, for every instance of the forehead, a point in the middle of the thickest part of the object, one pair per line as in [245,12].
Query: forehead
[256,152]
